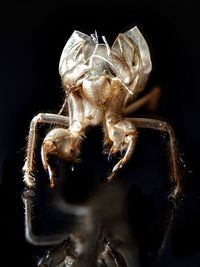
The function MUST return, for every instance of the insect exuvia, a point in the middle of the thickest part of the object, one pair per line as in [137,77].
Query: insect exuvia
[101,83]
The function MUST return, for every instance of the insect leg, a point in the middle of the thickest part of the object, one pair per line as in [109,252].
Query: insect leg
[164,127]
[123,135]
[29,162]
[42,240]
[150,100]
[64,108]
[62,143]
[65,143]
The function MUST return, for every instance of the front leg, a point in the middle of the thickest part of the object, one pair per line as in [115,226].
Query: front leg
[29,167]
[123,136]
[65,143]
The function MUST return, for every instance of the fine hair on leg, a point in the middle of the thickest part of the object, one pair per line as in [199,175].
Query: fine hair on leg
[29,162]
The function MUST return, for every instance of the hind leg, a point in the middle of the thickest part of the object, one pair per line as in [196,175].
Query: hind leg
[163,126]
[150,101]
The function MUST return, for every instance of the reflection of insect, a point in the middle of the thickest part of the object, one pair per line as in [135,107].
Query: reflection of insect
[101,84]
[95,234]
[66,255]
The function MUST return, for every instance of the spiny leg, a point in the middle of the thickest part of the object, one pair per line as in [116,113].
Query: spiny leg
[29,162]
[123,135]
[164,127]
[64,144]
[150,100]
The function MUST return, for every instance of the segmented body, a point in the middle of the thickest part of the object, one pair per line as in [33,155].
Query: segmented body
[100,83]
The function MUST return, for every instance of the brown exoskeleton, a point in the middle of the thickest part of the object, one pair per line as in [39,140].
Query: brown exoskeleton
[101,83]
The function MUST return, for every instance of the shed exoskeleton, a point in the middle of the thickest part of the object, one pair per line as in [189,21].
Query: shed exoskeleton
[101,84]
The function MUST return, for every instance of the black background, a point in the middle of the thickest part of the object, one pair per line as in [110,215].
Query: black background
[32,36]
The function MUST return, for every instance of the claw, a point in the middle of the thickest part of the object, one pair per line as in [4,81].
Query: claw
[110,177]
[111,153]
[48,147]
[123,135]
[51,177]
[62,143]
[119,165]
[110,157]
